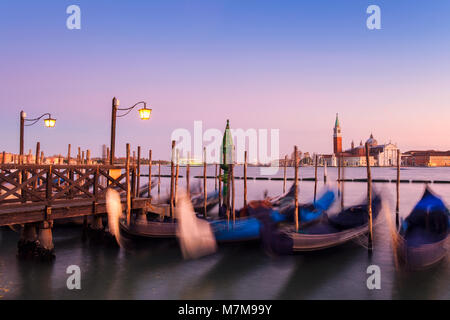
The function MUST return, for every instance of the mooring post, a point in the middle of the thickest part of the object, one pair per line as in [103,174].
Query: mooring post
[188,169]
[88,157]
[233,193]
[369,197]
[285,174]
[397,206]
[42,157]
[343,182]
[229,193]
[159,177]
[107,156]
[316,158]
[339,174]
[215,178]
[68,154]
[324,172]
[115,106]
[245,178]
[177,171]
[133,181]
[128,186]
[172,180]
[97,223]
[3,157]
[150,174]
[36,161]
[138,172]
[296,189]
[205,193]
[220,189]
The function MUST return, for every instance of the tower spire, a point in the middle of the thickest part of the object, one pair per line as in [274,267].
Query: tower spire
[337,136]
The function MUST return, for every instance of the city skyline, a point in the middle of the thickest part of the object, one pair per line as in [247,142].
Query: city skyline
[259,64]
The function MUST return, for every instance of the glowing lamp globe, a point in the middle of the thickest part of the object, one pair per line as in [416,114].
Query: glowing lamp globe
[49,122]
[145,113]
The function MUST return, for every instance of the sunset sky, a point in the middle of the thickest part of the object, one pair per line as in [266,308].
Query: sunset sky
[287,65]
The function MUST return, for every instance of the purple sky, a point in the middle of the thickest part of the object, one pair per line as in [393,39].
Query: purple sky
[289,65]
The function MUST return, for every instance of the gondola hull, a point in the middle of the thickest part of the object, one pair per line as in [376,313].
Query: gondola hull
[424,256]
[423,239]
[313,242]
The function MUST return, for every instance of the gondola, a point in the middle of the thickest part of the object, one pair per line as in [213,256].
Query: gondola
[318,234]
[424,234]
[157,223]
[247,226]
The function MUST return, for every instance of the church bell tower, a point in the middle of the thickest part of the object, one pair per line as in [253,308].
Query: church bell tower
[337,137]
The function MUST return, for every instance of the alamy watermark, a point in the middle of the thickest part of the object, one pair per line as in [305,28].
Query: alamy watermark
[74,20]
[74,280]
[262,150]
[374,20]
[374,280]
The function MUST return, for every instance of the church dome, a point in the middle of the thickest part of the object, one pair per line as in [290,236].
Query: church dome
[371,141]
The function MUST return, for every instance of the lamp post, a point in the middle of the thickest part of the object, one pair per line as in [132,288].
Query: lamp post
[144,114]
[49,122]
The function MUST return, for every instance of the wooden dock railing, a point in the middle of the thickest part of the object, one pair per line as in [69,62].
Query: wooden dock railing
[31,193]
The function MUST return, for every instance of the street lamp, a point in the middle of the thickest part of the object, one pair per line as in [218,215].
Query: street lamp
[144,114]
[49,122]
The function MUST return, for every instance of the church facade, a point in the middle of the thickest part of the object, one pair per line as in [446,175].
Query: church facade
[380,155]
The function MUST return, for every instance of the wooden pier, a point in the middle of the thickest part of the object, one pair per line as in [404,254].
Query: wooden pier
[36,195]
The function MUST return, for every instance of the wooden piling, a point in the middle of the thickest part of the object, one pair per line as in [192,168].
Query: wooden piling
[83,159]
[177,170]
[88,156]
[245,179]
[188,173]
[220,189]
[205,194]
[127,180]
[149,173]
[369,198]
[233,194]
[68,154]
[397,206]
[138,171]
[215,179]
[159,177]
[315,177]
[339,174]
[325,172]
[285,174]
[42,157]
[36,161]
[342,182]
[4,156]
[172,180]
[38,151]
[296,189]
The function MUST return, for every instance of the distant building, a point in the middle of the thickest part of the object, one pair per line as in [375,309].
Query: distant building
[429,158]
[380,155]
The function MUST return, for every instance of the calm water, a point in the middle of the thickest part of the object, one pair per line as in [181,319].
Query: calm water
[156,270]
